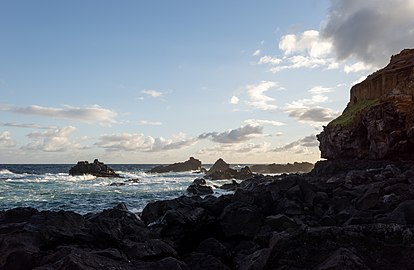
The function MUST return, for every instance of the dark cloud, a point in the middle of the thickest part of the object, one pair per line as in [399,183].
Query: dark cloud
[317,114]
[92,114]
[370,30]
[141,143]
[308,141]
[238,135]
[29,125]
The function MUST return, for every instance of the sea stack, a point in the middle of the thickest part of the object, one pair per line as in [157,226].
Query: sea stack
[96,168]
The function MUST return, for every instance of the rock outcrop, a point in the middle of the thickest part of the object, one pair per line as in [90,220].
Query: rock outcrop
[378,122]
[96,168]
[192,164]
[199,187]
[296,167]
[221,170]
[333,218]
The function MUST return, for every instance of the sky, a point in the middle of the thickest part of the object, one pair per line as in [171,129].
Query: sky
[159,81]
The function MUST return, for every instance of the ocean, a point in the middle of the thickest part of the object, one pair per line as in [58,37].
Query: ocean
[50,187]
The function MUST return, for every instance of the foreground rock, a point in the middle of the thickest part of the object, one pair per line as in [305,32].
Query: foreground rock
[378,122]
[221,170]
[199,187]
[347,219]
[96,168]
[190,165]
[296,167]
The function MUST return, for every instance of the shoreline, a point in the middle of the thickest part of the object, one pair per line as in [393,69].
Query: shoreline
[342,213]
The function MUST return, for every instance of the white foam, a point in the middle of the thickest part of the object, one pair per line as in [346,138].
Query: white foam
[5,171]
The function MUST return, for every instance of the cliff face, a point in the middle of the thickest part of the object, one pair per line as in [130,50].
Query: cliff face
[397,77]
[378,122]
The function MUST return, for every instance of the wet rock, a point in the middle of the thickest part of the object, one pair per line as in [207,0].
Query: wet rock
[200,190]
[201,261]
[280,222]
[404,213]
[344,259]
[190,165]
[233,186]
[240,219]
[296,167]
[96,168]
[214,248]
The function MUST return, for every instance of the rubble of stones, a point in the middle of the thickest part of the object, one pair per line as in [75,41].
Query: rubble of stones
[343,215]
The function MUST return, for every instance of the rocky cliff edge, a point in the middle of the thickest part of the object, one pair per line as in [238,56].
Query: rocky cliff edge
[378,122]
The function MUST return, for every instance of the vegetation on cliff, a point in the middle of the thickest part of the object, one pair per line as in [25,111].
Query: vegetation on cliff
[350,113]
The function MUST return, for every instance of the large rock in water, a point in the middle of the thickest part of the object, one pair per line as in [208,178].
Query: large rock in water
[378,122]
[192,164]
[221,170]
[302,167]
[96,168]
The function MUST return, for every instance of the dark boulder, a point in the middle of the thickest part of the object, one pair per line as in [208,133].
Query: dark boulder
[191,164]
[219,165]
[231,186]
[199,188]
[96,168]
[203,261]
[296,167]
[240,220]
[221,170]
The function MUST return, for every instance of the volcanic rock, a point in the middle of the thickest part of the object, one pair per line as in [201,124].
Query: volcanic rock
[96,168]
[296,167]
[378,122]
[221,170]
[191,164]
[199,187]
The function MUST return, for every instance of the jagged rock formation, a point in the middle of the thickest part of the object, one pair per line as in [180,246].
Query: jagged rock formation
[221,170]
[96,168]
[302,167]
[397,76]
[378,122]
[332,218]
[192,164]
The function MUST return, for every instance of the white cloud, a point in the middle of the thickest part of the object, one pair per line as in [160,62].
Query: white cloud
[320,90]
[256,53]
[140,143]
[152,93]
[149,123]
[218,150]
[25,125]
[308,41]
[316,114]
[93,114]
[6,139]
[370,30]
[358,67]
[309,110]
[242,134]
[234,100]
[269,60]
[297,146]
[257,96]
[56,140]
[260,122]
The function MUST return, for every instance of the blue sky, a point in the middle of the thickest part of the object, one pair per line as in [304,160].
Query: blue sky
[159,81]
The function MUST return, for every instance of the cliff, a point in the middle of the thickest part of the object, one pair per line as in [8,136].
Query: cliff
[378,122]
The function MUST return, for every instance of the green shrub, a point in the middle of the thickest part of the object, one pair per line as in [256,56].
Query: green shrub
[348,116]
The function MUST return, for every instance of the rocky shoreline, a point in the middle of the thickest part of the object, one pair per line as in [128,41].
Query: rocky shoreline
[332,218]
[353,211]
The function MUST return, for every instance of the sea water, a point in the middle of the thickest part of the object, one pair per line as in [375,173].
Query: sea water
[50,187]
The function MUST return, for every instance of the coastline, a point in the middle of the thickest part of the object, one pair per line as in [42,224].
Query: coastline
[342,215]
